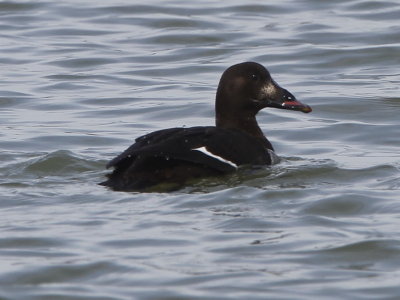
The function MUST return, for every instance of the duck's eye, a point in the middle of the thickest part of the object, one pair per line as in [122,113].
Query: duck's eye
[254,77]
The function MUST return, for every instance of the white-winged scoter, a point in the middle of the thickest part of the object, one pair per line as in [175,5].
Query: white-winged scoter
[174,155]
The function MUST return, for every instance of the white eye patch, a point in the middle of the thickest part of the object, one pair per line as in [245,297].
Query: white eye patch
[269,89]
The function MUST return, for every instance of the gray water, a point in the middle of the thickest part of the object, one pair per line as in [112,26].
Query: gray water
[80,80]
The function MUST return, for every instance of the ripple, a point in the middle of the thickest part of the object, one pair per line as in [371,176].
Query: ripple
[82,62]
[371,252]
[82,79]
[341,205]
[29,243]
[59,162]
[10,7]
[61,273]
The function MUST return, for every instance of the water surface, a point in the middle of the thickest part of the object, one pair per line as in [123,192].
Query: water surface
[80,80]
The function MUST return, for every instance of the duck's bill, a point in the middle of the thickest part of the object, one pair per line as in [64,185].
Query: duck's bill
[275,96]
[296,105]
[288,101]
[292,103]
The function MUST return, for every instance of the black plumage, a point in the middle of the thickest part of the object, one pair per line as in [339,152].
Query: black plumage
[172,156]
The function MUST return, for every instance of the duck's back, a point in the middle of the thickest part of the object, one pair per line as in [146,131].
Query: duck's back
[177,154]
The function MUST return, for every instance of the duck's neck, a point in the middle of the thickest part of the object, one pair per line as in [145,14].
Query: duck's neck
[245,123]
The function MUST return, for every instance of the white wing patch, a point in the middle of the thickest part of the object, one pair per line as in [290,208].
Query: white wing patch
[205,151]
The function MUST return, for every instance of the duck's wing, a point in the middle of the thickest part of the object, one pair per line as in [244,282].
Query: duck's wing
[215,148]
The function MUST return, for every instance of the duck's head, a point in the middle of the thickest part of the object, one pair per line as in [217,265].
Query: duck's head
[246,88]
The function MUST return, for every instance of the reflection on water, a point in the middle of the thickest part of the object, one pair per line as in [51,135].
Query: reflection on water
[81,80]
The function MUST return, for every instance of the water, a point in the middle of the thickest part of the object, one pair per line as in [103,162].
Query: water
[80,80]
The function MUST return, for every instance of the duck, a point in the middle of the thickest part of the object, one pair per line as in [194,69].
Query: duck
[172,157]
